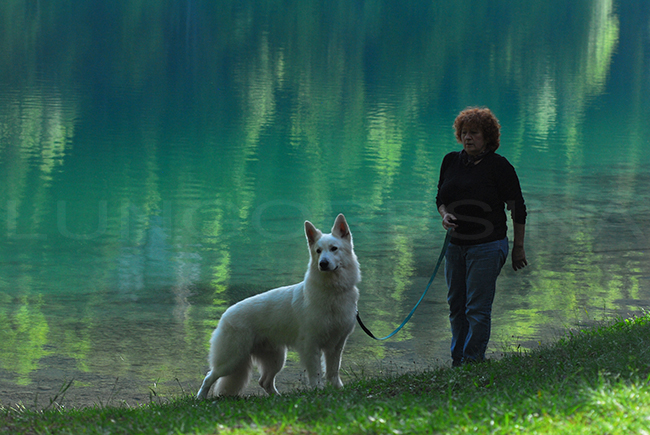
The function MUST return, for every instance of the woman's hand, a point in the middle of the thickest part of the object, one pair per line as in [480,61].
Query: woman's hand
[519,257]
[449,221]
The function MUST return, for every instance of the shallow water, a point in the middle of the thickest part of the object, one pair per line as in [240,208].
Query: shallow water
[159,160]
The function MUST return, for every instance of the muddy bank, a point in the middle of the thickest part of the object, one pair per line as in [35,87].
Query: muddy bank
[53,387]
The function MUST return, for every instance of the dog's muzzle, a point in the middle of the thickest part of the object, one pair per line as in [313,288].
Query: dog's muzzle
[326,266]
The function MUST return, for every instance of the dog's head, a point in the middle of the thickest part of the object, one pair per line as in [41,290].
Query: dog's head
[330,251]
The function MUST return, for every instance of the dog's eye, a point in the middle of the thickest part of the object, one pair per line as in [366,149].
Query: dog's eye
[333,248]
[319,250]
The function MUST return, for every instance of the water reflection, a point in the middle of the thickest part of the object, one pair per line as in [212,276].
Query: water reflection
[24,335]
[158,162]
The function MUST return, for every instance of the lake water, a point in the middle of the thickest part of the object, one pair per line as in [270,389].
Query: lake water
[158,160]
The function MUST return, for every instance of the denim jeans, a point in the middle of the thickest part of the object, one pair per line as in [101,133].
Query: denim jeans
[471,273]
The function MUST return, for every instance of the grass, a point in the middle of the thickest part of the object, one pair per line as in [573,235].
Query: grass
[592,381]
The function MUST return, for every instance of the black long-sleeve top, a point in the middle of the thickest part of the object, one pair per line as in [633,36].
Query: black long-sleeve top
[477,196]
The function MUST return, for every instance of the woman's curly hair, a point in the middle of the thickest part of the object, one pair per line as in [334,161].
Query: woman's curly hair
[484,120]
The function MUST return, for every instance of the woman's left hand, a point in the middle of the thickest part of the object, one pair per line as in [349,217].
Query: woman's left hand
[519,258]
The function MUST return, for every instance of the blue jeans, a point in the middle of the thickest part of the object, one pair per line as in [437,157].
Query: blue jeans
[471,273]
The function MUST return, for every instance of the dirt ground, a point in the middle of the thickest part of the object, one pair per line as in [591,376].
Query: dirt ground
[88,391]
[55,388]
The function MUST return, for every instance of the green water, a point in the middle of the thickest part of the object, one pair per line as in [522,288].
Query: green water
[158,159]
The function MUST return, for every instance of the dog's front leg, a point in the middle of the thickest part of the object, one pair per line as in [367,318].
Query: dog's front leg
[333,363]
[311,359]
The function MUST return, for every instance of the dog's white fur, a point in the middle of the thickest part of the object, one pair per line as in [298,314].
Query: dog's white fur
[314,317]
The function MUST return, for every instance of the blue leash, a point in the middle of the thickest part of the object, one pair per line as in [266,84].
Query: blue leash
[435,271]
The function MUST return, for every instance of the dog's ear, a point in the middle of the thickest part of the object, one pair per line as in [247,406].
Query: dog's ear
[312,233]
[341,228]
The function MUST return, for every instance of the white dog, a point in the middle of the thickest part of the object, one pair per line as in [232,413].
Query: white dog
[313,317]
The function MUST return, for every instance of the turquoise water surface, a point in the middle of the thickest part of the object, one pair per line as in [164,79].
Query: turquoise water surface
[158,160]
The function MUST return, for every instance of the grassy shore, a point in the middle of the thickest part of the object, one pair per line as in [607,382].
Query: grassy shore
[592,381]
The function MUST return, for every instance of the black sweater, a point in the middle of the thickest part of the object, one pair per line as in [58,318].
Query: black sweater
[477,194]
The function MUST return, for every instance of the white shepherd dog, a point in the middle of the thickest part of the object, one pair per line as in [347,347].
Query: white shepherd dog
[313,317]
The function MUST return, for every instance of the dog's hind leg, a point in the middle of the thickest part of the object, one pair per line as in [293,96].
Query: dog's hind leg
[234,383]
[231,379]
[210,379]
[229,357]
[269,362]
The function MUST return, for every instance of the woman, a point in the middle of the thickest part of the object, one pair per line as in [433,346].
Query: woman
[474,186]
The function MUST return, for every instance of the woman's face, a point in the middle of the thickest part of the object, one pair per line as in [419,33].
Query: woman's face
[472,140]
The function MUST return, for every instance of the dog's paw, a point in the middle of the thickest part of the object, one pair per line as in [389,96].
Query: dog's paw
[336,382]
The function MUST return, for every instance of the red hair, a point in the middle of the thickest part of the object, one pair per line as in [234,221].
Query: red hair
[484,120]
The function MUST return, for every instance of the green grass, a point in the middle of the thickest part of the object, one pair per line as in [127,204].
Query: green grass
[593,381]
